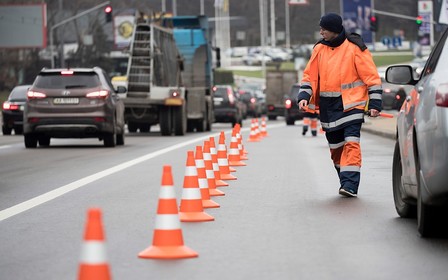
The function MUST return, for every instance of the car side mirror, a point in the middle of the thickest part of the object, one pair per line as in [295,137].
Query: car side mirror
[121,89]
[400,74]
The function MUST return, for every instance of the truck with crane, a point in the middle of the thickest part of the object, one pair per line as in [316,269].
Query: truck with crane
[170,76]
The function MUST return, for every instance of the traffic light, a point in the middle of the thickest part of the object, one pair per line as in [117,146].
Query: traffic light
[108,13]
[419,20]
[373,23]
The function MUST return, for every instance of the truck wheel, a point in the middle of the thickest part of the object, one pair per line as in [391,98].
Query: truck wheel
[145,127]
[132,126]
[201,124]
[180,120]
[165,121]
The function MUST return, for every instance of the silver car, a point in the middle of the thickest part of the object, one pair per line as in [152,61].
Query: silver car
[420,165]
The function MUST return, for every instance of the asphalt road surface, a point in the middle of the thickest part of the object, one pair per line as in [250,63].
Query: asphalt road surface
[282,218]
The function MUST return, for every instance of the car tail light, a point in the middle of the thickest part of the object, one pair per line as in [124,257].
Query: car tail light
[252,100]
[230,95]
[387,90]
[10,106]
[442,95]
[214,88]
[35,95]
[67,72]
[99,119]
[33,120]
[397,97]
[288,103]
[98,94]
[271,107]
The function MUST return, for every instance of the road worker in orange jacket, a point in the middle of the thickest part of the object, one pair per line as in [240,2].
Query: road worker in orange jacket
[341,81]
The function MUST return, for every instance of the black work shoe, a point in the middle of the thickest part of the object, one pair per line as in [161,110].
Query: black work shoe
[304,132]
[347,192]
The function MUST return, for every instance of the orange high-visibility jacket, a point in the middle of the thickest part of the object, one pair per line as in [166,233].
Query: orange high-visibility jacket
[345,71]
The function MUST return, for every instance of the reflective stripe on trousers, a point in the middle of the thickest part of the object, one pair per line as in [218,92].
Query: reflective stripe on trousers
[345,150]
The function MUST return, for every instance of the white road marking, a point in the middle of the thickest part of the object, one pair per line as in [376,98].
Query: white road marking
[41,199]
[5,147]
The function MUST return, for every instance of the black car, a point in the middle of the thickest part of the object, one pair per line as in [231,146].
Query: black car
[12,110]
[228,107]
[292,112]
[393,96]
[73,103]
[254,107]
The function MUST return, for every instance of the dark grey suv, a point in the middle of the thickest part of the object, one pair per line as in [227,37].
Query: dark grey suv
[73,103]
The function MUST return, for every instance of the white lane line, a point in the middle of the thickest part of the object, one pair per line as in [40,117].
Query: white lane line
[5,147]
[41,199]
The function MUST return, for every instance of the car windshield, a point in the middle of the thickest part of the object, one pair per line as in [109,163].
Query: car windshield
[220,92]
[246,96]
[19,92]
[57,81]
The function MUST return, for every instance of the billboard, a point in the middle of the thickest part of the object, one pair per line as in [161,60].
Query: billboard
[356,15]
[23,26]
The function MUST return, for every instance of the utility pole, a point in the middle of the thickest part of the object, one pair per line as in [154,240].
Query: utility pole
[174,8]
[322,7]
[202,7]
[287,31]
[262,37]
[273,35]
[164,6]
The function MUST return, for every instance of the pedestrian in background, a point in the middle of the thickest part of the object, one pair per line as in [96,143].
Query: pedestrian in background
[341,81]
[310,121]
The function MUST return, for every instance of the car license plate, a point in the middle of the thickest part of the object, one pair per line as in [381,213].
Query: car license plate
[64,101]
[217,101]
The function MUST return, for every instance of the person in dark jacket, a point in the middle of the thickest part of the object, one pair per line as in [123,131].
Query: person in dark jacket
[341,81]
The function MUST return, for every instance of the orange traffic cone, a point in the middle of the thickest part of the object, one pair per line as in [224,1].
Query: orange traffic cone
[209,171]
[257,129]
[216,171]
[234,153]
[167,242]
[263,131]
[239,139]
[202,178]
[253,135]
[94,264]
[223,163]
[191,209]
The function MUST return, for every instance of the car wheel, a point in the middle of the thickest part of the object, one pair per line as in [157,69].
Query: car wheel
[44,141]
[30,140]
[6,130]
[403,208]
[431,220]
[109,139]
[290,121]
[18,130]
[120,137]
[272,118]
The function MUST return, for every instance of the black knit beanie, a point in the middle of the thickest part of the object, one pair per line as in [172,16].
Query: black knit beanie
[331,22]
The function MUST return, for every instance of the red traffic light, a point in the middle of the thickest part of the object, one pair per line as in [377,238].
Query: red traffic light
[108,9]
[373,19]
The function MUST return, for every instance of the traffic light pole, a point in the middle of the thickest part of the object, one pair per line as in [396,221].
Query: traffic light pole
[68,20]
[399,16]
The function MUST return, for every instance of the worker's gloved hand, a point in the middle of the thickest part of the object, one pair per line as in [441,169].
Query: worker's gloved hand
[302,104]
